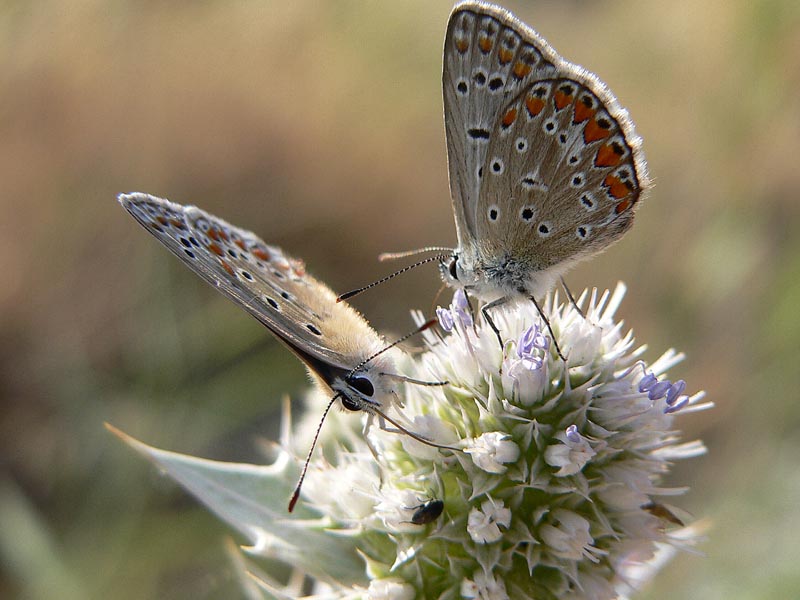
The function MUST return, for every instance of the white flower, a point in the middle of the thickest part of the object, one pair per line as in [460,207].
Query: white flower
[567,535]
[571,454]
[390,589]
[484,524]
[555,492]
[483,587]
[492,450]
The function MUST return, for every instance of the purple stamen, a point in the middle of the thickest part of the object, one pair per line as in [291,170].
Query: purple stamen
[526,345]
[460,308]
[658,390]
[541,341]
[675,390]
[648,381]
[445,317]
[679,404]
[573,435]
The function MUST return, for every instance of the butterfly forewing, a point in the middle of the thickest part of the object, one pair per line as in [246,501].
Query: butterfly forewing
[488,57]
[271,286]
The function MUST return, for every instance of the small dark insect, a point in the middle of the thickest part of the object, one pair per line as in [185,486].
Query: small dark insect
[427,512]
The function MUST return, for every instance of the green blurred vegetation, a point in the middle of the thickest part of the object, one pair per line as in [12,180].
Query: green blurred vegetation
[318,125]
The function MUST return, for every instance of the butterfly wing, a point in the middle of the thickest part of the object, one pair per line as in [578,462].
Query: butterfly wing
[563,173]
[271,286]
[487,61]
[553,166]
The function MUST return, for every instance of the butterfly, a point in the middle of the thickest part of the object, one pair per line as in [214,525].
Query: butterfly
[545,166]
[342,353]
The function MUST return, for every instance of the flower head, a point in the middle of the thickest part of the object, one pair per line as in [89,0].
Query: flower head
[550,493]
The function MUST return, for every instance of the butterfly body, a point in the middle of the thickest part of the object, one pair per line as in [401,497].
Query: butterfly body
[334,342]
[545,166]
[500,273]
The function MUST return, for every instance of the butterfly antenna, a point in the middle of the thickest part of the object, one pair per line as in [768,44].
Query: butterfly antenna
[426,325]
[296,493]
[395,255]
[424,261]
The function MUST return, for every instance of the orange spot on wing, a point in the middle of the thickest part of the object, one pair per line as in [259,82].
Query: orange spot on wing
[462,45]
[299,267]
[260,253]
[561,99]
[214,247]
[582,112]
[224,235]
[177,224]
[509,117]
[162,220]
[213,234]
[521,69]
[505,55]
[593,132]
[607,156]
[485,44]
[241,245]
[616,187]
[622,206]
[534,105]
[227,267]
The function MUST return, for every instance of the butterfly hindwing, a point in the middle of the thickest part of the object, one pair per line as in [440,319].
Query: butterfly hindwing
[560,178]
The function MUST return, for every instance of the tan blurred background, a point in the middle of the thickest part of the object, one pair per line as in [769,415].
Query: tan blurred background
[319,126]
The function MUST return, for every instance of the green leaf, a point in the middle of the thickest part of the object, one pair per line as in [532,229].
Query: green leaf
[253,500]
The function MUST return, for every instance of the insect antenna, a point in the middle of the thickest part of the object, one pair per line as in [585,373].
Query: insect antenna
[296,493]
[425,326]
[424,261]
[406,253]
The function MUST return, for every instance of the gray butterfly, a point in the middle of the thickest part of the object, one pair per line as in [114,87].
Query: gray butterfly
[341,351]
[545,166]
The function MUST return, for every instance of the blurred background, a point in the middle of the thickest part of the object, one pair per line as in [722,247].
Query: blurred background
[319,126]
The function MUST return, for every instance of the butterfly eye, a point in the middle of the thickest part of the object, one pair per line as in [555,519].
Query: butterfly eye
[362,385]
[451,268]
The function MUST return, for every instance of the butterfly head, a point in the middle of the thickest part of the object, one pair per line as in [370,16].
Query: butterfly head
[361,390]
[502,275]
[456,272]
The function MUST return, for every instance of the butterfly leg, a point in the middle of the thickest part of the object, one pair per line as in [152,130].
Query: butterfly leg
[414,381]
[549,328]
[488,319]
[365,431]
[383,418]
[572,298]
[469,306]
